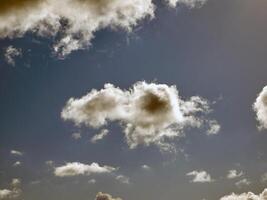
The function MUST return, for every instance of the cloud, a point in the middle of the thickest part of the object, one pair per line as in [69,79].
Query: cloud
[16,153]
[17,164]
[92,181]
[123,179]
[264,178]
[242,183]
[146,167]
[103,133]
[12,193]
[232,174]
[149,113]
[76,168]
[246,196]
[200,177]
[260,107]
[188,3]
[73,23]
[76,136]
[11,53]
[103,196]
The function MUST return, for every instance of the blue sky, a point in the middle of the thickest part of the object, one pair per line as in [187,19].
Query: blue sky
[215,51]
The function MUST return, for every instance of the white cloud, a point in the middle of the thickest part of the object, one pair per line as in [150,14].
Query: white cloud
[76,136]
[11,53]
[76,168]
[149,113]
[12,193]
[17,164]
[260,107]
[73,23]
[92,181]
[214,127]
[200,177]
[103,196]
[16,153]
[103,133]
[242,183]
[232,174]
[246,196]
[123,179]
[49,163]
[146,167]
[188,3]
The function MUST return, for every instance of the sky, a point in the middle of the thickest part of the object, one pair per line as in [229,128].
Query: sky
[133,100]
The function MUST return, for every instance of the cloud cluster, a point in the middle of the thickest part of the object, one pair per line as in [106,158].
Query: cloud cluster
[72,23]
[103,196]
[260,107]
[76,168]
[246,196]
[149,113]
[13,193]
[200,177]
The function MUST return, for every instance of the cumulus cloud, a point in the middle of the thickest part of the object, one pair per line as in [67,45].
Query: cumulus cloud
[11,53]
[200,177]
[242,183]
[76,168]
[260,107]
[246,196]
[149,113]
[72,23]
[103,196]
[16,153]
[232,174]
[103,133]
[12,193]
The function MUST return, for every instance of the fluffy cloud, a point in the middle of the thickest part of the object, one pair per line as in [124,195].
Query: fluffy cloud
[200,177]
[72,23]
[75,169]
[103,133]
[246,196]
[260,107]
[149,113]
[12,193]
[11,53]
[234,174]
[103,196]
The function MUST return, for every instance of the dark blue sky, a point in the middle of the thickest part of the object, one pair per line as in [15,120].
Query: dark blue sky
[217,51]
